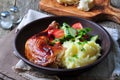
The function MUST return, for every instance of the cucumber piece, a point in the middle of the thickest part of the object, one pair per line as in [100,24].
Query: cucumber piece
[72,32]
[69,31]
[66,25]
[94,38]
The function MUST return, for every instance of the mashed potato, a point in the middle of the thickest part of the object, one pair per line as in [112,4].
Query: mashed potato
[77,55]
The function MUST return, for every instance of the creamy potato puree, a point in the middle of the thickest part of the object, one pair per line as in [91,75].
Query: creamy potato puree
[77,55]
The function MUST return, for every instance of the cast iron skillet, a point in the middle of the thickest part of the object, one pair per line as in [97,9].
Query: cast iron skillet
[41,24]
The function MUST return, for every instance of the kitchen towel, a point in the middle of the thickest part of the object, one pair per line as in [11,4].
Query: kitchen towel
[108,69]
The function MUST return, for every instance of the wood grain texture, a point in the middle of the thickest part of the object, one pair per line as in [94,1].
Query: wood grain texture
[23,5]
[7,58]
[102,10]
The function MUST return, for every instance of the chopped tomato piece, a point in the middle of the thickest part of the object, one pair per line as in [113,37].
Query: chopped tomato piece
[77,25]
[50,32]
[58,33]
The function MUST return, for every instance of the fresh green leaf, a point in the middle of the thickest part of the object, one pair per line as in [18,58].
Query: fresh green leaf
[66,25]
[94,38]
[72,32]
[83,49]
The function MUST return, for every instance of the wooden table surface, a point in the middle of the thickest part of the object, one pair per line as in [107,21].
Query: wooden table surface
[24,6]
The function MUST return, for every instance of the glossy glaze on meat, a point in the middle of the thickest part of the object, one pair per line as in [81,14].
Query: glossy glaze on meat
[38,50]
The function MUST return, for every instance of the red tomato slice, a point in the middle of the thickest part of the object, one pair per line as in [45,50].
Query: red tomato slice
[58,33]
[50,32]
[77,25]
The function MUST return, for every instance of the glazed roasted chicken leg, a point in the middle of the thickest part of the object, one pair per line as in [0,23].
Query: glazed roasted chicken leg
[38,50]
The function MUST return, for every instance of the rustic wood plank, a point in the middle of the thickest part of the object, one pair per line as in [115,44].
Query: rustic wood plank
[23,5]
[101,11]
[7,58]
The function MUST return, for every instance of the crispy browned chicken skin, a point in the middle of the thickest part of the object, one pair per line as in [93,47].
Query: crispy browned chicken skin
[38,50]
